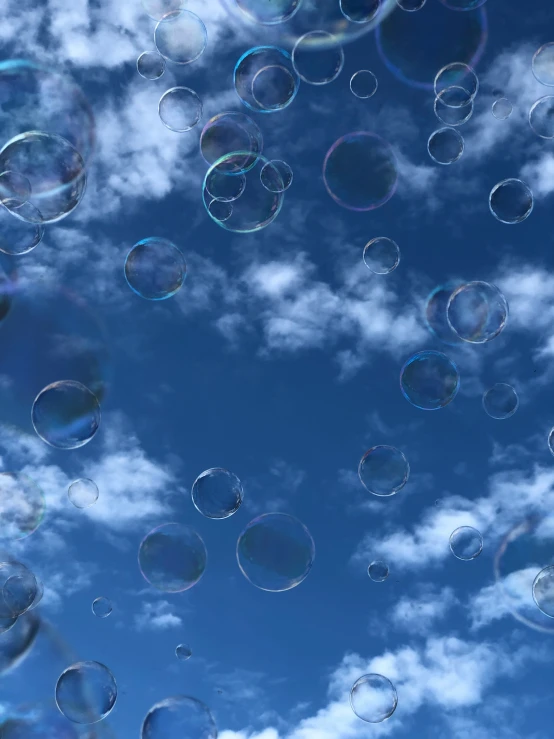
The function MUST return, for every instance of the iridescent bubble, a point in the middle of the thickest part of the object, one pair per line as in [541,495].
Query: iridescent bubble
[445,146]
[183,652]
[220,210]
[502,109]
[180,109]
[22,506]
[102,607]
[466,543]
[541,117]
[543,591]
[217,493]
[227,133]
[86,692]
[179,717]
[360,171]
[435,313]
[360,11]
[551,441]
[18,588]
[277,84]
[151,65]
[378,571]
[15,190]
[460,79]
[410,6]
[276,182]
[511,201]
[83,493]
[317,58]
[275,552]
[222,187]
[18,236]
[500,401]
[543,64]
[180,36]
[452,116]
[363,84]
[268,12]
[373,698]
[155,269]
[172,557]
[429,380]
[66,415]
[158,9]
[477,312]
[381,255]
[383,470]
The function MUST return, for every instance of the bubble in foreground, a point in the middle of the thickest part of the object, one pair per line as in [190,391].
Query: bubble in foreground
[360,172]
[180,109]
[373,698]
[511,201]
[543,64]
[86,692]
[502,109]
[276,182]
[155,269]
[363,84]
[83,493]
[178,717]
[183,652]
[15,189]
[360,11]
[460,79]
[151,65]
[18,588]
[445,146]
[477,312]
[466,543]
[102,607]
[317,58]
[66,415]
[541,117]
[500,401]
[217,493]
[268,12]
[265,79]
[275,552]
[381,255]
[21,506]
[543,591]
[378,571]
[383,470]
[172,557]
[19,236]
[452,115]
[435,313]
[181,36]
[225,134]
[429,380]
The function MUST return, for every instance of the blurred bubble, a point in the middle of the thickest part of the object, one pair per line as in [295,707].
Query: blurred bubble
[363,84]
[551,441]
[435,313]
[317,58]
[276,181]
[102,607]
[543,591]
[360,11]
[15,189]
[179,717]
[158,9]
[183,652]
[477,312]
[460,79]
[543,64]
[466,543]
[217,493]
[227,133]
[155,269]
[511,201]
[268,12]
[83,493]
[180,36]
[383,470]
[38,597]
[429,380]
[502,109]
[275,552]
[22,506]
[172,557]
[180,109]
[86,692]
[500,401]
[224,188]
[220,210]
[360,171]
[18,236]
[66,415]
[452,116]
[463,4]
[378,571]
[381,255]
[275,87]
[541,117]
[17,640]
[151,65]
[410,6]
[373,698]
[18,588]
[445,146]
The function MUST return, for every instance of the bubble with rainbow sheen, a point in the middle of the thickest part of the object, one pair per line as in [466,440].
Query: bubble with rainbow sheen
[477,312]
[276,181]
[542,64]
[86,692]
[172,557]
[276,89]
[500,401]
[66,414]
[227,133]
[155,268]
[383,470]
[452,115]
[435,313]
[177,717]
[429,380]
[461,82]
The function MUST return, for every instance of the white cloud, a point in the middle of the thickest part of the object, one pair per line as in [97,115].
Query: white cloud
[157,616]
[419,614]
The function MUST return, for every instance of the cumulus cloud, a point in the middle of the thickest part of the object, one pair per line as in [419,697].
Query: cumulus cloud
[157,616]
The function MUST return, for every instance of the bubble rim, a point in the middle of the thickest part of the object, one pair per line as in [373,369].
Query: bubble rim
[200,108]
[298,5]
[398,255]
[179,699]
[147,53]
[531,109]
[374,17]
[441,130]
[77,666]
[363,678]
[473,530]
[378,562]
[73,383]
[473,283]
[256,49]
[331,46]
[236,484]
[289,168]
[499,100]
[176,14]
[396,489]
[258,135]
[486,393]
[166,242]
[421,354]
[535,582]
[364,97]
[546,84]
[451,107]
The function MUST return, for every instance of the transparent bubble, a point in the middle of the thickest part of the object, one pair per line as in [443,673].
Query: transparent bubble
[381,255]
[511,201]
[66,415]
[477,312]
[500,401]
[158,9]
[435,313]
[180,109]
[360,11]
[172,557]
[224,188]
[19,236]
[502,109]
[227,133]
[383,470]
[86,692]
[22,506]
[18,588]
[268,12]
[83,493]
[55,171]
[466,543]
[259,205]
[363,84]
[445,146]
[19,635]
[151,65]
[155,269]
[410,6]
[452,116]
[102,607]
[360,171]
[275,552]
[38,596]
[551,441]
[217,493]
[373,698]
[317,58]
[541,117]
[220,210]
[183,652]
[277,83]
[429,380]
[378,571]
[181,36]
[276,182]
[179,717]
[461,79]
[543,64]
[543,591]
[15,189]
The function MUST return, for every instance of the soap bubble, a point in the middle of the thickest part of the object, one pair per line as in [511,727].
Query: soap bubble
[317,58]
[511,201]
[360,171]
[18,588]
[179,717]
[435,313]
[275,552]
[551,441]
[102,607]
[543,64]
[158,9]
[273,87]
[277,85]
[373,698]
[38,596]
[268,12]
[360,11]
[466,543]
[180,109]
[183,652]
[543,591]
[66,415]
[22,506]
[86,692]
[276,182]
[363,84]
[410,6]
[217,493]
[15,190]
[220,210]
[541,117]
[180,36]
[461,82]
[477,312]
[172,557]
[18,236]
[151,65]
[381,255]
[502,109]
[19,635]
[429,380]
[452,115]
[224,188]
[155,269]
[383,470]
[378,571]
[500,401]
[83,493]
[227,133]
[445,146]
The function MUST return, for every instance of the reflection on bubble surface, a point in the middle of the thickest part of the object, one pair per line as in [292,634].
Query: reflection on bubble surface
[66,415]
[373,698]
[429,380]
[172,557]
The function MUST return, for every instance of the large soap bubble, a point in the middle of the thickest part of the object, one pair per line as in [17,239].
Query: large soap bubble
[378,571]
[86,692]
[227,133]
[277,83]
[511,201]
[269,12]
[172,557]
[21,506]
[317,58]
[466,543]
[383,470]
[381,255]
[275,552]
[543,64]
[429,380]
[477,312]
[83,493]
[155,268]
[435,313]
[543,591]
[66,414]
[373,698]
[217,493]
[445,146]
[500,401]
[178,717]
[181,36]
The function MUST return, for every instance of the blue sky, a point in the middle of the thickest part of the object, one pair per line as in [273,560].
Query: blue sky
[279,360]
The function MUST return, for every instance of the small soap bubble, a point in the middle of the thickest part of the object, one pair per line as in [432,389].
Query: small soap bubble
[22,506]
[102,607]
[541,117]
[183,652]
[15,189]
[373,698]
[225,134]
[317,58]
[172,557]
[551,441]
[360,11]
[466,543]
[477,312]
[17,235]
[448,114]
[381,255]
[268,12]
[500,401]
[429,380]
[181,36]
[543,591]
[155,268]
[66,415]
[378,571]
[180,109]
[151,65]
[445,146]
[502,109]
[462,81]
[543,64]
[363,84]
[273,87]
[83,493]
[435,313]
[276,175]
[217,493]
[511,201]
[222,187]
[220,210]
[383,470]
[265,80]
[178,717]
[86,692]
[18,588]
